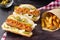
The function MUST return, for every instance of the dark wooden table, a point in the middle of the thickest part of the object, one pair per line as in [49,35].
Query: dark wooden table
[5,12]
[3,15]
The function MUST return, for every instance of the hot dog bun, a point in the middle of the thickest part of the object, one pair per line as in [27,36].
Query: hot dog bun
[9,27]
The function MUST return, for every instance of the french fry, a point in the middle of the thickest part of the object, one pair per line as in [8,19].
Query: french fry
[59,25]
[54,17]
[55,24]
[50,20]
[43,23]
[47,23]
[50,27]
[47,18]
[57,20]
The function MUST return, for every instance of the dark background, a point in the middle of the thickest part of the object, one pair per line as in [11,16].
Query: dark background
[39,34]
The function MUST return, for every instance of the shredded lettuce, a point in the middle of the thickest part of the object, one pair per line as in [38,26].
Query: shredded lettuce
[34,17]
[22,20]
[26,32]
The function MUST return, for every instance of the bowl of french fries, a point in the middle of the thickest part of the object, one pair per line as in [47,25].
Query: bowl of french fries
[50,20]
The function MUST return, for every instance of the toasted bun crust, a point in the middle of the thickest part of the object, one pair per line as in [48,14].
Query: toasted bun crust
[11,29]
[31,7]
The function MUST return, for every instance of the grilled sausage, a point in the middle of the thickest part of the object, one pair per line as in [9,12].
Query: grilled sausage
[18,25]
